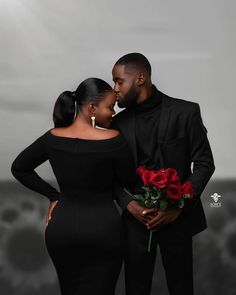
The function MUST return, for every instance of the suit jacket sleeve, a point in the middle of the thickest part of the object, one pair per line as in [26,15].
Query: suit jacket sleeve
[124,166]
[121,194]
[23,167]
[200,152]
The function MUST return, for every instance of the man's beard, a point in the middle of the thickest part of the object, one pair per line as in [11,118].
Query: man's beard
[129,99]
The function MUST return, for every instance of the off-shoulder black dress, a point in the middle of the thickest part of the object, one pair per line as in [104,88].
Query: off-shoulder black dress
[84,237]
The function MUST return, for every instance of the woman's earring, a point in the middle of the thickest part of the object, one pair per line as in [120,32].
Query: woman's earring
[93,121]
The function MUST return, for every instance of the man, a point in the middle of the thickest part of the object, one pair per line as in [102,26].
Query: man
[162,132]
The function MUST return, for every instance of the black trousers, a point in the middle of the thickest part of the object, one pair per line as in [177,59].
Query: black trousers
[176,252]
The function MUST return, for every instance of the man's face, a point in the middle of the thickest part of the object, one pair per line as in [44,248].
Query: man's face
[125,85]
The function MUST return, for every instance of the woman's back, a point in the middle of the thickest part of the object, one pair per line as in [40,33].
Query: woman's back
[90,165]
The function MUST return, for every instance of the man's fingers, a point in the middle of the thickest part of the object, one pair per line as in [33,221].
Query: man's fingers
[146,217]
[152,211]
[157,224]
[156,221]
[144,220]
[156,218]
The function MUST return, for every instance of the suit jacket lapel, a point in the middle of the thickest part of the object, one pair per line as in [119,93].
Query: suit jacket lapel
[164,119]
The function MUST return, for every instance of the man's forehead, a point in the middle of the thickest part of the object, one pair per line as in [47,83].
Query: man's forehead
[123,70]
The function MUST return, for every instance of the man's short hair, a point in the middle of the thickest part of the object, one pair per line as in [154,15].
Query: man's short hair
[136,60]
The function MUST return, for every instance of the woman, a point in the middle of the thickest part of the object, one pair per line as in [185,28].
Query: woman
[84,236]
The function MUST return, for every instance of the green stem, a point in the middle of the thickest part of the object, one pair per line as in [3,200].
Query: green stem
[150,241]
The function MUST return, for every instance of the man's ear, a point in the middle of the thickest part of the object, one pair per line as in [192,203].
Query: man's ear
[141,79]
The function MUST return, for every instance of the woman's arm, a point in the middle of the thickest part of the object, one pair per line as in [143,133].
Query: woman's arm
[23,167]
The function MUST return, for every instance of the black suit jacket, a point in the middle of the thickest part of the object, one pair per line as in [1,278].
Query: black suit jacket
[183,145]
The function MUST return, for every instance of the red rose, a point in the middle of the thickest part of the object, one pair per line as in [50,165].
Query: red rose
[172,176]
[141,169]
[145,175]
[187,189]
[174,192]
[158,179]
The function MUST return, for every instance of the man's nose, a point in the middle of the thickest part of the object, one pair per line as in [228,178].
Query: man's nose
[116,88]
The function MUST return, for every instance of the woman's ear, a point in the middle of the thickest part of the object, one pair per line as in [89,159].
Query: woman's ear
[91,109]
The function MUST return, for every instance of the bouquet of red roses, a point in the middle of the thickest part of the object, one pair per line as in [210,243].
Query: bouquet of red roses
[162,189]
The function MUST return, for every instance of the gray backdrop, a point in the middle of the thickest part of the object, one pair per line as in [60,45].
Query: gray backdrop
[49,46]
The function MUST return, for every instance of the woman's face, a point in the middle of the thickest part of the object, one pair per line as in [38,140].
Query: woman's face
[104,110]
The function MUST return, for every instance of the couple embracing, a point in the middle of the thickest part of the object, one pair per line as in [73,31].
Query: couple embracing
[95,155]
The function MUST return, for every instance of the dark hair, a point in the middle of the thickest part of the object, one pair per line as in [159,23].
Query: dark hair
[137,60]
[69,103]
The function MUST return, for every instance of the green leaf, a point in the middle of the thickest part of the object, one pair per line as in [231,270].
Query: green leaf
[181,203]
[146,188]
[163,205]
[186,196]
[138,197]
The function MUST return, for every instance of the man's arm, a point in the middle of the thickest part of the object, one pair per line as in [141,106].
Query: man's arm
[203,167]
[200,153]
[122,196]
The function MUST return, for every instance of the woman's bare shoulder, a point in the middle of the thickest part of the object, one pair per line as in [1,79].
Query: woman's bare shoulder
[91,134]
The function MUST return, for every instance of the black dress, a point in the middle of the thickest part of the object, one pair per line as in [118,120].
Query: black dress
[84,236]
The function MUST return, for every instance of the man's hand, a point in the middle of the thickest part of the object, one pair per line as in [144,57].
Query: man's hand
[143,214]
[164,217]
[51,207]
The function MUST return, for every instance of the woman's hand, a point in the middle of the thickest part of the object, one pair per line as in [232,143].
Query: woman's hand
[51,207]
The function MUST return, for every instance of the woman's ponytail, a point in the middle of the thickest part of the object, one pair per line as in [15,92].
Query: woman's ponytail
[64,109]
